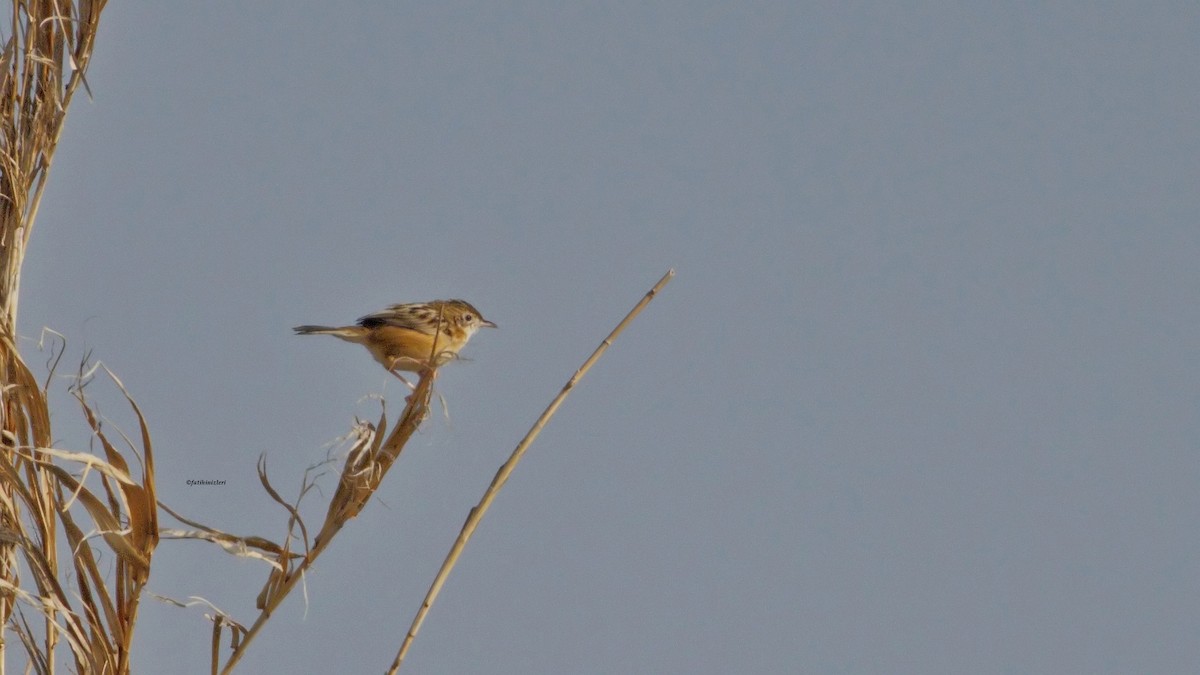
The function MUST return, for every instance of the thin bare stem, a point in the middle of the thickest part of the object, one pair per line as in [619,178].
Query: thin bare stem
[506,470]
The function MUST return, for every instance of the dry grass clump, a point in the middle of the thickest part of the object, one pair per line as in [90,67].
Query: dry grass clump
[47,48]
[46,53]
[92,612]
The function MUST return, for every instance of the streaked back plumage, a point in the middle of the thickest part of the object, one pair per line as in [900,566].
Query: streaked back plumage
[427,317]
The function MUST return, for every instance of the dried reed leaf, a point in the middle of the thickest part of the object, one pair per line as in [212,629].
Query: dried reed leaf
[266,483]
[37,660]
[146,518]
[89,461]
[108,524]
[111,453]
[52,608]
[102,613]
[243,547]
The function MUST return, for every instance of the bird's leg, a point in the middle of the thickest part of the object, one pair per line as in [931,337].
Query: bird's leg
[394,368]
[410,385]
[426,372]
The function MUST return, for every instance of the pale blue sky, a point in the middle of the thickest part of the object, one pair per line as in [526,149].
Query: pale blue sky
[922,398]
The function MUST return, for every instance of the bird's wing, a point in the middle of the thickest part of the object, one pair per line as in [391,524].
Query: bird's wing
[416,316]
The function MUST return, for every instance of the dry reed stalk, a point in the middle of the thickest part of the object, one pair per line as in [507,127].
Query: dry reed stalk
[47,38]
[45,55]
[477,512]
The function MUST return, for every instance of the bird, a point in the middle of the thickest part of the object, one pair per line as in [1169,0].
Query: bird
[411,337]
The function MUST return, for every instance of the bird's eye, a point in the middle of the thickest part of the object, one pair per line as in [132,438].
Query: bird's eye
[468,318]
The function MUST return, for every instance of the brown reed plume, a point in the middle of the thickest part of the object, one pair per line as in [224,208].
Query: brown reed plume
[368,461]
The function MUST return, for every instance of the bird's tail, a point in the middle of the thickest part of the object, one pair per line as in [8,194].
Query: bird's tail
[351,333]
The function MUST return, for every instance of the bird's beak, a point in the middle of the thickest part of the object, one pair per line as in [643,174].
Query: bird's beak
[489,324]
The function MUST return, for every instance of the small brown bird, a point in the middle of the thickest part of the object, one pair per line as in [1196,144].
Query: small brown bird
[411,337]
